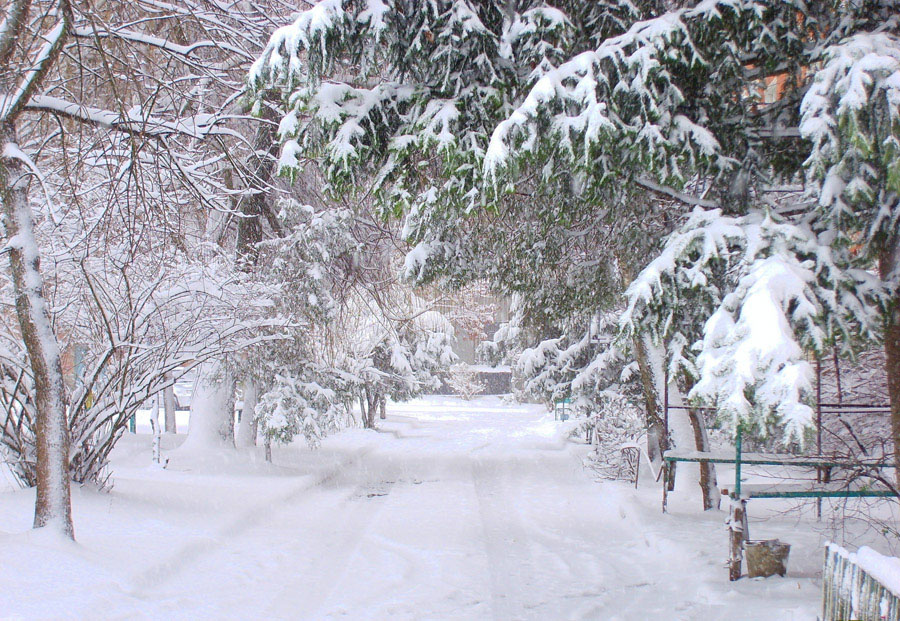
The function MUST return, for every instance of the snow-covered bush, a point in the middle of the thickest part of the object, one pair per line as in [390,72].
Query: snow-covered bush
[617,422]
[402,358]
[464,381]
[301,406]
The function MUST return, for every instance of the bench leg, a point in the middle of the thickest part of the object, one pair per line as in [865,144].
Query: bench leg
[637,468]
[665,486]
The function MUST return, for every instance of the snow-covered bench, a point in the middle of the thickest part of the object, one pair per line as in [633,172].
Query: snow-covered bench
[740,494]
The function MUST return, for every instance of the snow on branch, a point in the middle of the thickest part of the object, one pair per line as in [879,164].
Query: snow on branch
[772,290]
[158,42]
[12,103]
[198,126]
[623,90]
[851,114]
[289,45]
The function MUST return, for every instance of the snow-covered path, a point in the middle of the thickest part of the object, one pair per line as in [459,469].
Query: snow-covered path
[449,512]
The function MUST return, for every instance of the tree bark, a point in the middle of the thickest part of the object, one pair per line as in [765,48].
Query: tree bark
[657,435]
[888,263]
[53,503]
[708,483]
[369,404]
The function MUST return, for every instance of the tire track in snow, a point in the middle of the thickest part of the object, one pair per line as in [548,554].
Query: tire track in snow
[143,583]
[304,597]
[508,546]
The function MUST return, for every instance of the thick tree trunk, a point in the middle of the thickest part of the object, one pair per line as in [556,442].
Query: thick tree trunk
[888,263]
[169,406]
[658,439]
[369,405]
[212,409]
[53,504]
[708,483]
[247,429]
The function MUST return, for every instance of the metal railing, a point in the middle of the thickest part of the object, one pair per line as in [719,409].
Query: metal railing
[851,592]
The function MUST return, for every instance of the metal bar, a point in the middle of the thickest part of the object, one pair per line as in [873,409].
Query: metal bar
[818,429]
[824,494]
[687,407]
[666,411]
[799,463]
[737,463]
[818,406]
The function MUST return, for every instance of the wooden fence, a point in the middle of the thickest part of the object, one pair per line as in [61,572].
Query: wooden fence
[851,590]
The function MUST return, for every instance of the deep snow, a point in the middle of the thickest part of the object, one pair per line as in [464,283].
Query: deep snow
[452,510]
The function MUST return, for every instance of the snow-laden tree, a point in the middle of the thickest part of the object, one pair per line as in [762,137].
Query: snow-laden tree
[123,147]
[401,99]
[770,291]
[654,108]
[25,65]
[590,122]
[301,389]
[851,115]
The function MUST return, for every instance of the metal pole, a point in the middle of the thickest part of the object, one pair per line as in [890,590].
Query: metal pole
[818,406]
[737,464]
[666,407]
[818,430]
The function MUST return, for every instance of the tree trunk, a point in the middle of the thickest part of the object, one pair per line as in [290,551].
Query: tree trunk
[154,424]
[382,405]
[708,483]
[212,409]
[369,407]
[169,406]
[657,435]
[887,264]
[53,503]
[247,429]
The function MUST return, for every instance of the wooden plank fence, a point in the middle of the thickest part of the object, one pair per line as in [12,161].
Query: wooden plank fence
[851,592]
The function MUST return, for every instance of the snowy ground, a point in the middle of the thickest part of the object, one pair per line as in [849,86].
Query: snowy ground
[452,510]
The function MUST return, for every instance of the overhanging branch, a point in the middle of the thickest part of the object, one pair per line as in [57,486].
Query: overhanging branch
[199,126]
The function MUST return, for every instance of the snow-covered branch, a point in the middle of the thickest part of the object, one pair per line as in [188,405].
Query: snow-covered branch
[135,123]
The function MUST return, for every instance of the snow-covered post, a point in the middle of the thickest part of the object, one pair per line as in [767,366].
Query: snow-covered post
[737,522]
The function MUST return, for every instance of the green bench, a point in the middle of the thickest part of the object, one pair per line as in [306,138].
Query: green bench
[740,493]
[562,409]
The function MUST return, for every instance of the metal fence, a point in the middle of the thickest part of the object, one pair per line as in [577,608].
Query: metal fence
[851,592]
